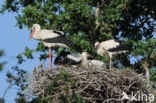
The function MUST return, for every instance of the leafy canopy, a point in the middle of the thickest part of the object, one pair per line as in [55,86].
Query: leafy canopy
[1,63]
[128,20]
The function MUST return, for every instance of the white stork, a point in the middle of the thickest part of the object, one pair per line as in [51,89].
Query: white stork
[97,64]
[67,59]
[51,39]
[112,47]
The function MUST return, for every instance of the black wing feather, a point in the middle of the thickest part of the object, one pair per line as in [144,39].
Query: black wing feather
[60,39]
[58,32]
[63,60]
[120,47]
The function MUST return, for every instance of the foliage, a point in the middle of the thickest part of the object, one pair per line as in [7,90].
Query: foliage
[1,63]
[153,75]
[28,53]
[18,78]
[126,19]
[1,100]
[146,49]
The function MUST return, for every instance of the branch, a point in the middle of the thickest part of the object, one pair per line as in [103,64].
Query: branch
[6,90]
[145,66]
[97,15]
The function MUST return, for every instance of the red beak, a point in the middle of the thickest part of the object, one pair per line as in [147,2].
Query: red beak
[31,34]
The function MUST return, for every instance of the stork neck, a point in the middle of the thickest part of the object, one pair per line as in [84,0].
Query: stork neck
[84,62]
[38,28]
[36,34]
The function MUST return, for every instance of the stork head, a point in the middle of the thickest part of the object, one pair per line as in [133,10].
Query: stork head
[96,44]
[85,55]
[35,27]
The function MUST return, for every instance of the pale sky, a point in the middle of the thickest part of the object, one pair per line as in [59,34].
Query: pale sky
[13,41]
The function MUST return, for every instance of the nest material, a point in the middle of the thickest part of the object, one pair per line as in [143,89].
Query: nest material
[93,84]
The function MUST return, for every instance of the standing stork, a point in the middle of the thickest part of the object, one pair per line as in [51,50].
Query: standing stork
[51,39]
[112,47]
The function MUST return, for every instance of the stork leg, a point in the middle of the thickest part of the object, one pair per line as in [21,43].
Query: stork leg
[50,59]
[110,60]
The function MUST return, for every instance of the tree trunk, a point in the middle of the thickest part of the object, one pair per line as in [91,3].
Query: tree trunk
[97,14]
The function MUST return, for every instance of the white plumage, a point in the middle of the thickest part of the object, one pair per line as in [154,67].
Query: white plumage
[75,57]
[51,39]
[67,59]
[108,44]
[97,64]
[111,47]
[78,59]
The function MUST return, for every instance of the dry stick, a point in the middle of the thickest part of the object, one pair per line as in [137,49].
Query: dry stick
[145,65]
[6,90]
[85,87]
[112,99]
[97,14]
[106,79]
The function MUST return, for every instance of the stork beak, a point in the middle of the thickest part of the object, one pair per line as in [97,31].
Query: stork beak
[91,57]
[31,34]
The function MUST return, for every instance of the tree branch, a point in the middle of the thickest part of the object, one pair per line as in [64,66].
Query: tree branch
[97,15]
[6,90]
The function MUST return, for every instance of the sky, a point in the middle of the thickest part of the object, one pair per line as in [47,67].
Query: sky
[13,41]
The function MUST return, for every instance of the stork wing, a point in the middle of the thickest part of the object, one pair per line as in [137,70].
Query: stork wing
[76,57]
[59,39]
[58,32]
[115,45]
[62,58]
[68,59]
[120,47]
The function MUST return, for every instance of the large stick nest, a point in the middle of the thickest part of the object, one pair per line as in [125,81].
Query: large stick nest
[94,85]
